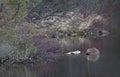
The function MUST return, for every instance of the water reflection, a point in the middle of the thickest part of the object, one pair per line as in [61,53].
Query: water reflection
[104,62]
[16,71]
[73,44]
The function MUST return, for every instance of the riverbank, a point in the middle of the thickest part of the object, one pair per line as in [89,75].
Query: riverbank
[34,37]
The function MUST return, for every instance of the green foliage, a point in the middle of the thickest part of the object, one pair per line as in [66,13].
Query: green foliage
[37,1]
[2,32]
[96,6]
[20,38]
[15,2]
[32,49]
[18,33]
[13,11]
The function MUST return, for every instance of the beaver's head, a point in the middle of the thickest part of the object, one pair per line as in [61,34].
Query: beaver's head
[92,54]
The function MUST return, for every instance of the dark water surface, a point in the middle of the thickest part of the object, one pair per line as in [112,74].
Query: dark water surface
[108,64]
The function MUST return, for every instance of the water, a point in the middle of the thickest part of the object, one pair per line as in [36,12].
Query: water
[108,64]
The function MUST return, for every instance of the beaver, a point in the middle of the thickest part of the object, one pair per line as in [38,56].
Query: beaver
[92,54]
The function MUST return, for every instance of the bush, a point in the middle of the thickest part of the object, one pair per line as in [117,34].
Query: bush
[20,38]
